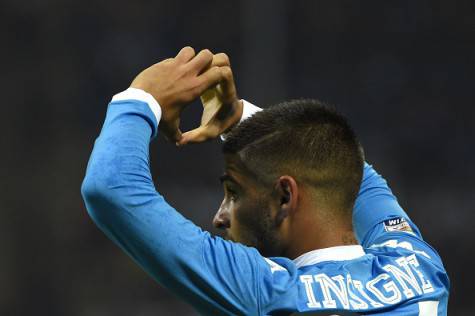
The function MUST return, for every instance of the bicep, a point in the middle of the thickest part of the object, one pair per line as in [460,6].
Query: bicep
[377,210]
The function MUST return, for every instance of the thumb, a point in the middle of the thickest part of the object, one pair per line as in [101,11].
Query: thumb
[177,135]
[171,131]
[173,136]
[197,135]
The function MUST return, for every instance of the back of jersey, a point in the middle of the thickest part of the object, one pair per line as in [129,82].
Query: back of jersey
[398,275]
[392,272]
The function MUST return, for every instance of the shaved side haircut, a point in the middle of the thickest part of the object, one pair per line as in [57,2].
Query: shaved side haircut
[306,139]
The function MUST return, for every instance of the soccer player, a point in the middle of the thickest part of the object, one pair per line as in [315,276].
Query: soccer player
[311,227]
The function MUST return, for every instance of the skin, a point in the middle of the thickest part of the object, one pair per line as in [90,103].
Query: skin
[245,215]
[280,218]
[284,218]
[175,82]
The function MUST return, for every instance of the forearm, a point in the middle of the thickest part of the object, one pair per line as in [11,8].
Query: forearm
[119,162]
[120,196]
[121,199]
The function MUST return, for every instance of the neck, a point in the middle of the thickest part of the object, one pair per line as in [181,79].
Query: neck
[304,246]
[311,234]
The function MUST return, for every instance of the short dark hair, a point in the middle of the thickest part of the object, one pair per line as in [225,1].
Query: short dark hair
[306,139]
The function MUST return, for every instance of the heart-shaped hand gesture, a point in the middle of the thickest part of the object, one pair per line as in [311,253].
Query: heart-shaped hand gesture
[175,82]
[221,107]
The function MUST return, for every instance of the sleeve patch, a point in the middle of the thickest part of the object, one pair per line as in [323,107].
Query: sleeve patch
[397,224]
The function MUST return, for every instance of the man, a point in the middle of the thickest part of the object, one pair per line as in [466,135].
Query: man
[295,187]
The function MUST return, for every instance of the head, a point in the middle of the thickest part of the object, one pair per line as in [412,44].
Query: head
[292,172]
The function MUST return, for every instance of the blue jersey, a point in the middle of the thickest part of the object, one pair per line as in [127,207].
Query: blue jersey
[393,272]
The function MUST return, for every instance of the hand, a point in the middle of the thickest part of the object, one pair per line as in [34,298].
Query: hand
[222,108]
[175,82]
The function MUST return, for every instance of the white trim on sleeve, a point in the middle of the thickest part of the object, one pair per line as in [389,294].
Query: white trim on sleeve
[140,95]
[248,110]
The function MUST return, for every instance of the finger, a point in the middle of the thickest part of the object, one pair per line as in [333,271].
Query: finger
[198,135]
[228,78]
[201,62]
[177,135]
[228,87]
[173,136]
[185,54]
[212,77]
[171,132]
[221,60]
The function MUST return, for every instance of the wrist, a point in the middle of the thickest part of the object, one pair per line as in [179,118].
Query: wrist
[133,93]
[239,109]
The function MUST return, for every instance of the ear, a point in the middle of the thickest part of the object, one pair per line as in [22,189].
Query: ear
[287,192]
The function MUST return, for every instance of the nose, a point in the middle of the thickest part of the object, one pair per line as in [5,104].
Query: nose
[222,219]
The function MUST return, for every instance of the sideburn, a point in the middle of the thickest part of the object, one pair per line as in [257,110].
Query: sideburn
[263,228]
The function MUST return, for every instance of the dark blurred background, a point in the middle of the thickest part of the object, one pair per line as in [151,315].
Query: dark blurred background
[403,71]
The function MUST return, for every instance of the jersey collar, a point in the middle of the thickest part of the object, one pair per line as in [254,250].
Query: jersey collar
[339,253]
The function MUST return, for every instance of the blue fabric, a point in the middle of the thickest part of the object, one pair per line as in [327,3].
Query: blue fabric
[219,277]
[374,204]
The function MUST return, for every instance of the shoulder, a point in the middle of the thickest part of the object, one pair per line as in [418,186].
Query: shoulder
[396,273]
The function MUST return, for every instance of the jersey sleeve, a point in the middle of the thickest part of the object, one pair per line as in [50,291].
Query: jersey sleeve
[216,276]
[377,210]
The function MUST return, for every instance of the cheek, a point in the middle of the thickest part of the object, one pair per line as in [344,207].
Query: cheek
[246,223]
[257,228]
[236,222]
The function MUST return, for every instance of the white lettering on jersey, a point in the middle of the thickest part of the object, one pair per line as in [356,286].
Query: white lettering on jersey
[340,290]
[345,292]
[393,243]
[426,285]
[359,286]
[307,280]
[404,276]
[355,301]
[390,287]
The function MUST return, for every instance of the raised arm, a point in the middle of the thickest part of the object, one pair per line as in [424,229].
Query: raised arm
[377,210]
[215,276]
